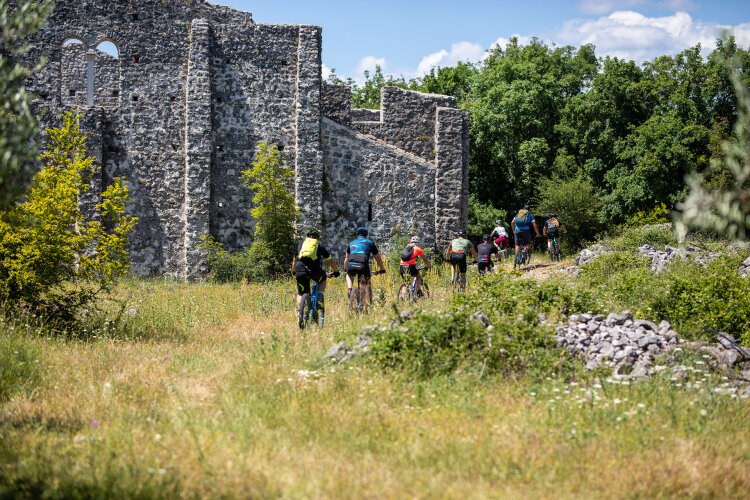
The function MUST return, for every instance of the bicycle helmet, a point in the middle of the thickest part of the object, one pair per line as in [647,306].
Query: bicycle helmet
[416,239]
[313,233]
[498,222]
[551,215]
[525,207]
[361,231]
[486,237]
[461,233]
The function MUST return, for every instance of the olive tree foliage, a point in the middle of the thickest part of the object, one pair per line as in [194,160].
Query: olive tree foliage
[724,209]
[18,125]
[51,255]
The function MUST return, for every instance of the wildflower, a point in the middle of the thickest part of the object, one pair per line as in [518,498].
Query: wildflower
[167,357]
[231,437]
[94,423]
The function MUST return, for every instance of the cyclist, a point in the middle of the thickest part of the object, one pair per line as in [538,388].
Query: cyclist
[357,263]
[456,255]
[485,251]
[409,261]
[307,265]
[551,229]
[500,235]
[521,226]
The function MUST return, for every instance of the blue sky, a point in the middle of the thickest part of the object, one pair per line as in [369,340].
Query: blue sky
[408,37]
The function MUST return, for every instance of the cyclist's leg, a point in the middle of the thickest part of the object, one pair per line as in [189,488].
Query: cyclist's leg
[303,285]
[462,269]
[364,286]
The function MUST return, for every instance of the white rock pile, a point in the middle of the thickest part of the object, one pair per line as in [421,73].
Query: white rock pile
[616,341]
[744,268]
[659,259]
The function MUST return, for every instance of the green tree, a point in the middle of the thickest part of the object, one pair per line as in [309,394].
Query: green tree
[724,209]
[49,253]
[482,217]
[18,125]
[274,209]
[575,203]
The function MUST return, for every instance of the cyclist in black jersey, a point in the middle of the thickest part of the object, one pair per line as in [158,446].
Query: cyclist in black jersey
[485,250]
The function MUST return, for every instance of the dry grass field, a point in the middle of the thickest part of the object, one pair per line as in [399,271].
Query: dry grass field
[211,391]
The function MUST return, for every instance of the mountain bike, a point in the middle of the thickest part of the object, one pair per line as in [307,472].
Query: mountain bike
[308,307]
[355,296]
[456,280]
[554,250]
[523,256]
[408,291]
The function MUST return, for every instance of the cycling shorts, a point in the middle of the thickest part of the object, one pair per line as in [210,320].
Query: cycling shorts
[304,276]
[502,242]
[523,238]
[459,259]
[411,270]
[485,266]
[552,233]
[364,274]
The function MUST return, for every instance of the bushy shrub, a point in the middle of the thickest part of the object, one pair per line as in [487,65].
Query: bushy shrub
[482,218]
[657,215]
[256,263]
[52,258]
[576,205]
[630,238]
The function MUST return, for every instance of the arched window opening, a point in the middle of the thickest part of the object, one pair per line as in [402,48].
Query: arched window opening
[107,73]
[73,73]
[72,41]
[108,47]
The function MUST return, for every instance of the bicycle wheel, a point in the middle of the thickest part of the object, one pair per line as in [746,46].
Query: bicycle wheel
[527,257]
[518,258]
[303,313]
[424,291]
[403,292]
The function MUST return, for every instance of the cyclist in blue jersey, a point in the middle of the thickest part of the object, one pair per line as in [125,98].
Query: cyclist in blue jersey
[357,263]
[521,225]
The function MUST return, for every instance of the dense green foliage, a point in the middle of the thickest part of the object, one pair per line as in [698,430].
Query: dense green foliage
[632,132]
[18,125]
[576,205]
[482,217]
[720,198]
[51,256]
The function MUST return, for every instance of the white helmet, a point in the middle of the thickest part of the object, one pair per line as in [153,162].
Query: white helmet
[416,239]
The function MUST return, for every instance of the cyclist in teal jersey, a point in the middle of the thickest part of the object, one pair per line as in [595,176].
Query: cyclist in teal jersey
[357,263]
[456,255]
[521,225]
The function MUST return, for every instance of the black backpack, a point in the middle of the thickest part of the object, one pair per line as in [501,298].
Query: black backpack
[407,252]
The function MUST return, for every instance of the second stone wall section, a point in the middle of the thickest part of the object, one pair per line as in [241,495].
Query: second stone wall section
[369,183]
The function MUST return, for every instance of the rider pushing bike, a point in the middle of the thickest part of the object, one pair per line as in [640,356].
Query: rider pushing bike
[307,265]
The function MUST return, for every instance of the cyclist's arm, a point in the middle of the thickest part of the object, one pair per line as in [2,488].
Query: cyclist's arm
[448,252]
[474,253]
[544,230]
[427,262]
[563,227]
[536,230]
[513,225]
[379,260]
[346,260]
[332,264]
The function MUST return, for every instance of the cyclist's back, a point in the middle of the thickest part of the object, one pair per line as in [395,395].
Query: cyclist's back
[522,224]
[484,254]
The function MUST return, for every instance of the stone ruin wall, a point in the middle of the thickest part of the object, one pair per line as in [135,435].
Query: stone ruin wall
[195,87]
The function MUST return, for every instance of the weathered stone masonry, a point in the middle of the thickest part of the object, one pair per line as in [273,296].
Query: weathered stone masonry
[196,86]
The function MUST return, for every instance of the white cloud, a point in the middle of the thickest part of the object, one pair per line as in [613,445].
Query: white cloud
[631,35]
[325,72]
[599,7]
[368,63]
[461,51]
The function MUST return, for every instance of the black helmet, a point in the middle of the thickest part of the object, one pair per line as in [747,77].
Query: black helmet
[551,215]
[525,207]
[486,237]
[461,232]
[313,233]
[361,231]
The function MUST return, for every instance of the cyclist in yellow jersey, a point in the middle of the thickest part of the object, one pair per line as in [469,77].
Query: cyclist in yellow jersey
[456,255]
